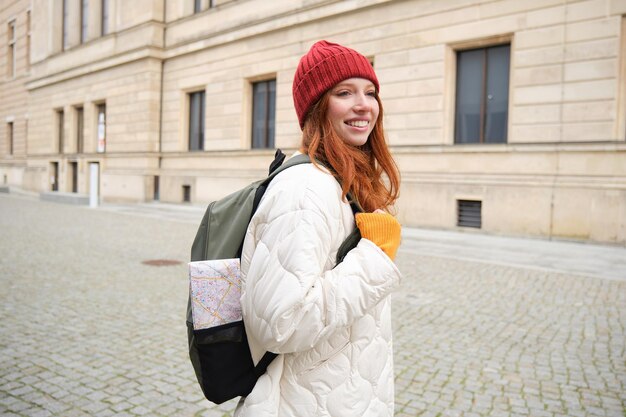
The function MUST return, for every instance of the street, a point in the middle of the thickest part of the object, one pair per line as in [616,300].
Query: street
[87,329]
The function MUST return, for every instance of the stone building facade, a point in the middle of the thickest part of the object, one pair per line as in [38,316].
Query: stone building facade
[503,115]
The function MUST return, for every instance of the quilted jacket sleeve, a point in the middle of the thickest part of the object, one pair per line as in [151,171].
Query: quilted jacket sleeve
[293,297]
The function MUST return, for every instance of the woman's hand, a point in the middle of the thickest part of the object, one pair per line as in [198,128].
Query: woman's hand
[381,228]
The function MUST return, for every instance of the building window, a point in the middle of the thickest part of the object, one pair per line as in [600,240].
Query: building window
[84,20]
[101,127]
[200,5]
[155,194]
[73,176]
[104,17]
[186,193]
[263,114]
[11,50]
[65,24]
[10,138]
[80,129]
[54,176]
[60,130]
[196,121]
[28,39]
[482,95]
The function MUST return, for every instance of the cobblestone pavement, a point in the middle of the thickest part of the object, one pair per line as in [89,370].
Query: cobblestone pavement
[86,329]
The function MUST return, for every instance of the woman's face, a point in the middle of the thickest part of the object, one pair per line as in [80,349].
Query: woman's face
[353,110]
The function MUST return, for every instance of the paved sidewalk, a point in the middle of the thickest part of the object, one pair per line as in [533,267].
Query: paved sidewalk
[483,325]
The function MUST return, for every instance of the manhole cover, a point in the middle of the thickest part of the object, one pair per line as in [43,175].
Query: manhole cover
[161,262]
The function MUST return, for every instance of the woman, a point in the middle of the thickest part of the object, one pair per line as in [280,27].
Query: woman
[330,323]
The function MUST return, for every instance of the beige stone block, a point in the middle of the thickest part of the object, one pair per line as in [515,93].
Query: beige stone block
[456,13]
[282,103]
[528,206]
[582,51]
[551,93]
[608,210]
[420,88]
[545,17]
[481,29]
[409,137]
[123,187]
[551,74]
[537,38]
[413,72]
[589,70]
[571,213]
[538,56]
[593,29]
[424,205]
[585,10]
[506,7]
[427,54]
[413,104]
[617,7]
[590,90]
[391,60]
[415,120]
[577,132]
[535,133]
[589,111]
[525,115]
[286,115]
[592,165]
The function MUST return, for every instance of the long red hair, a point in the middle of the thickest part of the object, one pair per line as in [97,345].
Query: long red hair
[360,169]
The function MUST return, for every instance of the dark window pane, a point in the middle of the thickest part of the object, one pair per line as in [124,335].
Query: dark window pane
[196,121]
[263,114]
[64,24]
[497,94]
[258,114]
[197,6]
[469,92]
[10,137]
[80,119]
[61,129]
[271,110]
[105,17]
[84,16]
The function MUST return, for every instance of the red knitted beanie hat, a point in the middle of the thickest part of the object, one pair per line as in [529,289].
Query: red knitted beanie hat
[321,68]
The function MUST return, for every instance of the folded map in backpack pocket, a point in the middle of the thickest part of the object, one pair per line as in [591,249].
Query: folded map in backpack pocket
[215,289]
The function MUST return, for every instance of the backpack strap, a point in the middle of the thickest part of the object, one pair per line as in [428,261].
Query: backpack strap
[276,167]
[265,361]
[279,158]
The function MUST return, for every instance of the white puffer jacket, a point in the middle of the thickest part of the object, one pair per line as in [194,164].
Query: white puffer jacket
[331,326]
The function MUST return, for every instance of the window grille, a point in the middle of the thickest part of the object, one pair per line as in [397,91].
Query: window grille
[469,213]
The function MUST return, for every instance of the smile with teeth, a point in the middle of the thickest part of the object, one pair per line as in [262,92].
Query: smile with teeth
[357,123]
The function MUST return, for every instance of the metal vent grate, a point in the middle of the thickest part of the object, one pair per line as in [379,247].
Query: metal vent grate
[469,213]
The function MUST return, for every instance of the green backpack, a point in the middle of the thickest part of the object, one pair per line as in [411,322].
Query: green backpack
[221,355]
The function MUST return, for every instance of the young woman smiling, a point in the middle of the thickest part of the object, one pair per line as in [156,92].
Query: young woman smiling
[330,323]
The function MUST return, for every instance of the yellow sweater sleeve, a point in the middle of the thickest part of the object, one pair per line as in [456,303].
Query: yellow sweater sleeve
[381,228]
